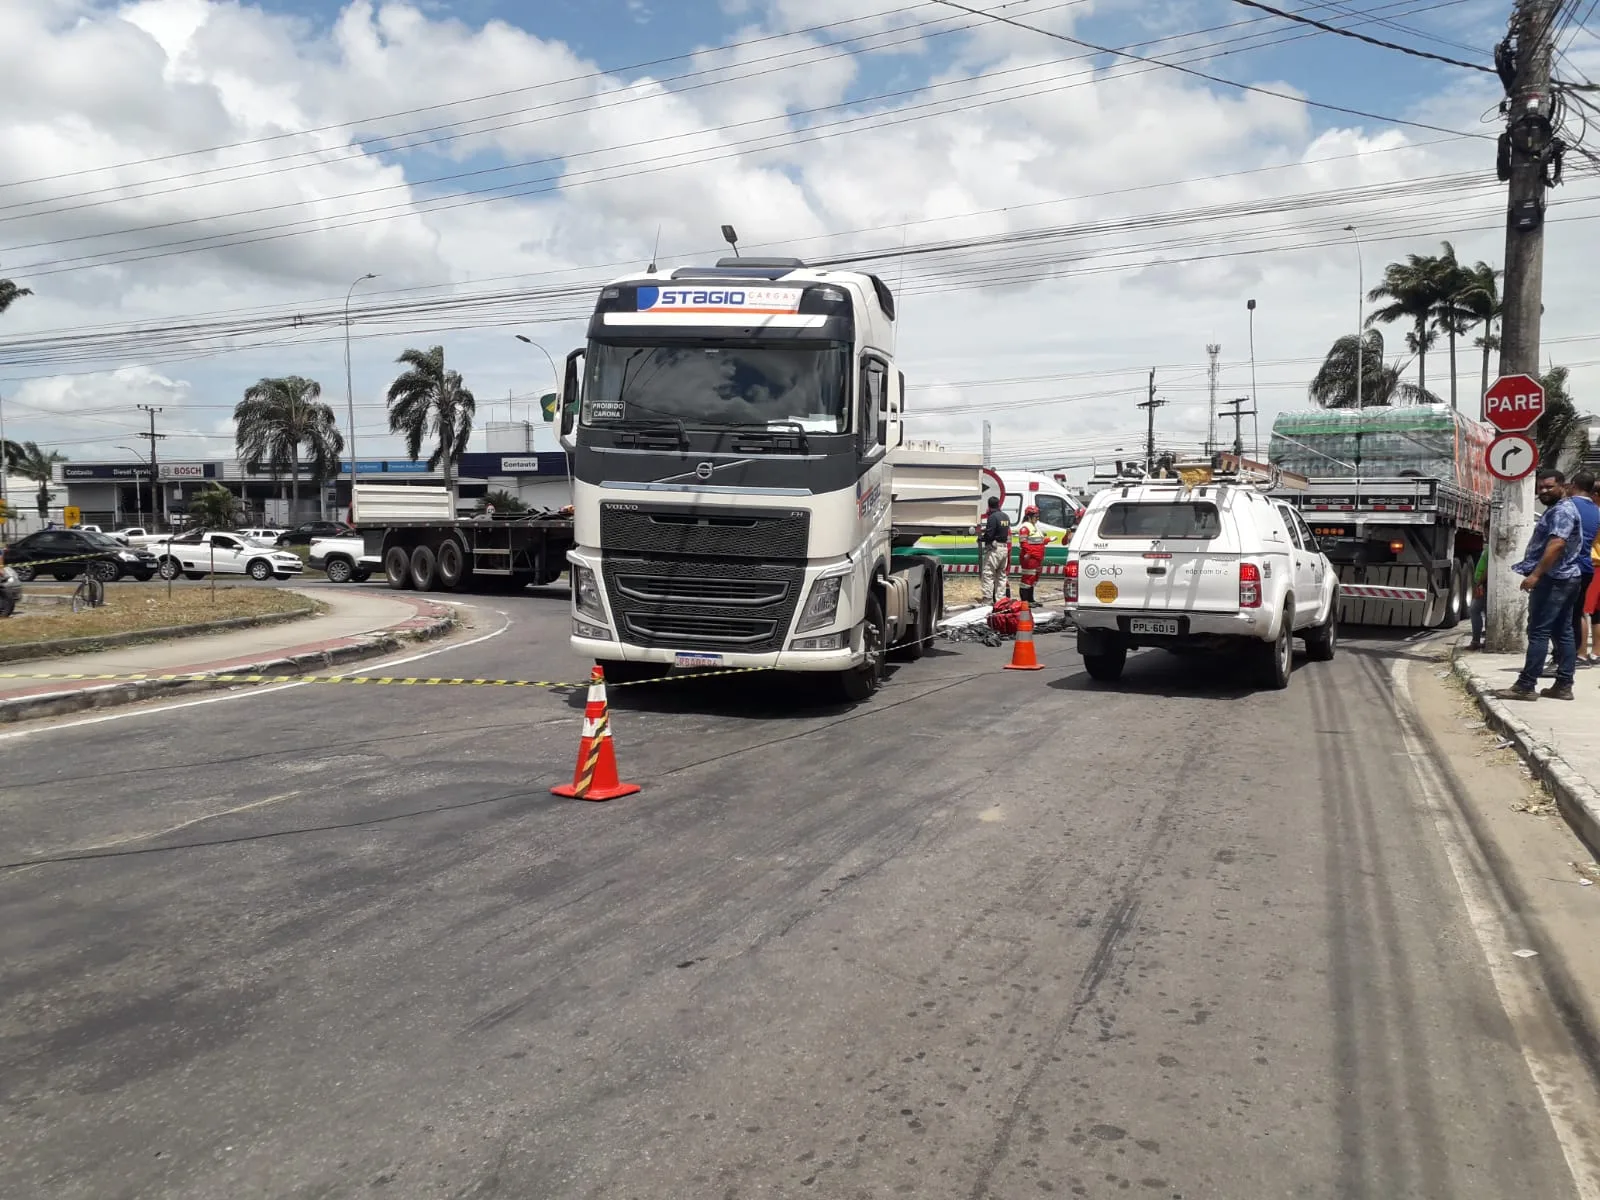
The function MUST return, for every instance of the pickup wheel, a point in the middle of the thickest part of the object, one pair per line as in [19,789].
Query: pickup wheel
[1275,659]
[338,570]
[170,568]
[1106,667]
[859,683]
[424,568]
[260,570]
[1322,640]
[397,567]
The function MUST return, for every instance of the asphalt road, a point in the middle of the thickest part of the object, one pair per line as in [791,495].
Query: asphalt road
[994,934]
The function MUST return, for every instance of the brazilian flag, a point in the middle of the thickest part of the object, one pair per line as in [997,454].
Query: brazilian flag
[547,403]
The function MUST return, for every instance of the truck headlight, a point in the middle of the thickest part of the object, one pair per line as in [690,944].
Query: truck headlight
[822,604]
[586,592]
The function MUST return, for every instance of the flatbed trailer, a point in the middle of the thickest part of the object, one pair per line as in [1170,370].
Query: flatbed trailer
[422,544]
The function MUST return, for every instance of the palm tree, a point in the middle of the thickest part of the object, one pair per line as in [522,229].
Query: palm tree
[503,501]
[1480,297]
[1562,435]
[28,460]
[278,420]
[214,507]
[9,293]
[1335,383]
[1451,312]
[430,400]
[1412,289]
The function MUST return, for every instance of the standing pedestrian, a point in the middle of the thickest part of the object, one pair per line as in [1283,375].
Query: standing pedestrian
[1480,596]
[1031,543]
[994,549]
[1550,576]
[1581,493]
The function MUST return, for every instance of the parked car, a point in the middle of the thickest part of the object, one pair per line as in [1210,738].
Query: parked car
[130,536]
[196,555]
[344,559]
[264,535]
[89,529]
[302,534]
[107,558]
[10,590]
[1214,565]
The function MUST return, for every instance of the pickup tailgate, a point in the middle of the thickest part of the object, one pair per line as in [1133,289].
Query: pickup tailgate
[1164,556]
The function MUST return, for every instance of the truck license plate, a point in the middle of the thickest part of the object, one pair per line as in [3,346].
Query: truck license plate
[686,659]
[1145,625]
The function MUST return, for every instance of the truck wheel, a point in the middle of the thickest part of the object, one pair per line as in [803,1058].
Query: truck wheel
[859,683]
[397,567]
[338,570]
[452,564]
[1107,667]
[1275,659]
[424,568]
[1323,640]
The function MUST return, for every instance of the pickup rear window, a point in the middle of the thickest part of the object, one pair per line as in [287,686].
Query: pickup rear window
[1195,521]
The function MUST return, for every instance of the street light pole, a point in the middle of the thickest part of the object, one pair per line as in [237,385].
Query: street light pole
[349,387]
[555,375]
[1361,292]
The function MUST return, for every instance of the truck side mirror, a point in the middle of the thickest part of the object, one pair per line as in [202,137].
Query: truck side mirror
[571,397]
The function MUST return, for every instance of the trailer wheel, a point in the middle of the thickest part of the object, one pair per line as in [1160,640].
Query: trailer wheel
[397,567]
[452,564]
[424,568]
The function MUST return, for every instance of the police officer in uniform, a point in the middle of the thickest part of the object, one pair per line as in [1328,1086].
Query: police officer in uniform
[994,545]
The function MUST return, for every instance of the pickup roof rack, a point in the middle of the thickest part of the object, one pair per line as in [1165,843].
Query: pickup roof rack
[1217,470]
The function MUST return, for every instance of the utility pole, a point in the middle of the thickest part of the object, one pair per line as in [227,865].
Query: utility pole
[1238,415]
[1214,349]
[1150,406]
[153,437]
[1528,152]
[986,443]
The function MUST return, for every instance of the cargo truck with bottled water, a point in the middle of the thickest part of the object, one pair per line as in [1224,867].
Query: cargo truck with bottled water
[1398,499]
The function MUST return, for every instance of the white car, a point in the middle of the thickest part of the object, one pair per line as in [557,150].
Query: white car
[343,559]
[267,537]
[196,555]
[130,535]
[1216,566]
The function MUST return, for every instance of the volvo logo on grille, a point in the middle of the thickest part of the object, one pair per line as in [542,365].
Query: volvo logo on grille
[703,471]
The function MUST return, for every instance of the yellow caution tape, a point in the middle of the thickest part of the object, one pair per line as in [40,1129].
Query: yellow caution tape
[379,680]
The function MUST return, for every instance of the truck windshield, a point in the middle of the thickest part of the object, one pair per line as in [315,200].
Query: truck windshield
[715,385]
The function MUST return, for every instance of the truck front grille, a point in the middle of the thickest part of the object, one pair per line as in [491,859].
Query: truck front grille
[689,604]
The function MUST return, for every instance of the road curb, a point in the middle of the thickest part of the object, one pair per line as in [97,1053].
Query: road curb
[110,641]
[1576,799]
[113,695]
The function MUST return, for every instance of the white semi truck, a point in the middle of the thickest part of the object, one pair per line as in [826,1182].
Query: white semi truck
[740,497]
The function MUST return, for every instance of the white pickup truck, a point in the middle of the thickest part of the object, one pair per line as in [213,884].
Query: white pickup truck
[343,559]
[195,555]
[1210,562]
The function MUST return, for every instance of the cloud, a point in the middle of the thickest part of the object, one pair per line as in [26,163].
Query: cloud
[1131,210]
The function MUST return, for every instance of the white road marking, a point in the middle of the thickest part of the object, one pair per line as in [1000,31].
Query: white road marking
[134,711]
[1571,1099]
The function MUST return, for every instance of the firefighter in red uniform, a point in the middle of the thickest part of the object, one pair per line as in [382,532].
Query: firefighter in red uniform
[1030,553]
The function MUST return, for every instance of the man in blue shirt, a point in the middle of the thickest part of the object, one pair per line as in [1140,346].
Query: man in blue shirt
[1589,522]
[1551,577]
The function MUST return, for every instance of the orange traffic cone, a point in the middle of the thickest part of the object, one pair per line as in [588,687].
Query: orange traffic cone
[1022,656]
[595,777]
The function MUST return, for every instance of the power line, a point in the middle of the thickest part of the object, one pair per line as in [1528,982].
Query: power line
[1244,87]
[1361,37]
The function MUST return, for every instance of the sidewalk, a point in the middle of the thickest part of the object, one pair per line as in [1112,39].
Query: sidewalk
[1559,739]
[358,624]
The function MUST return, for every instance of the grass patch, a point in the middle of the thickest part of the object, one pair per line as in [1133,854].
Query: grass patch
[135,607]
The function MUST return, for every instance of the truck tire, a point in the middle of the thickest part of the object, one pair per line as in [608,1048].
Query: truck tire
[859,683]
[452,564]
[397,567]
[1274,660]
[1106,667]
[424,568]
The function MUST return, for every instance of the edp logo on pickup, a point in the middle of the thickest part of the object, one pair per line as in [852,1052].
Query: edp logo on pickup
[1093,572]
